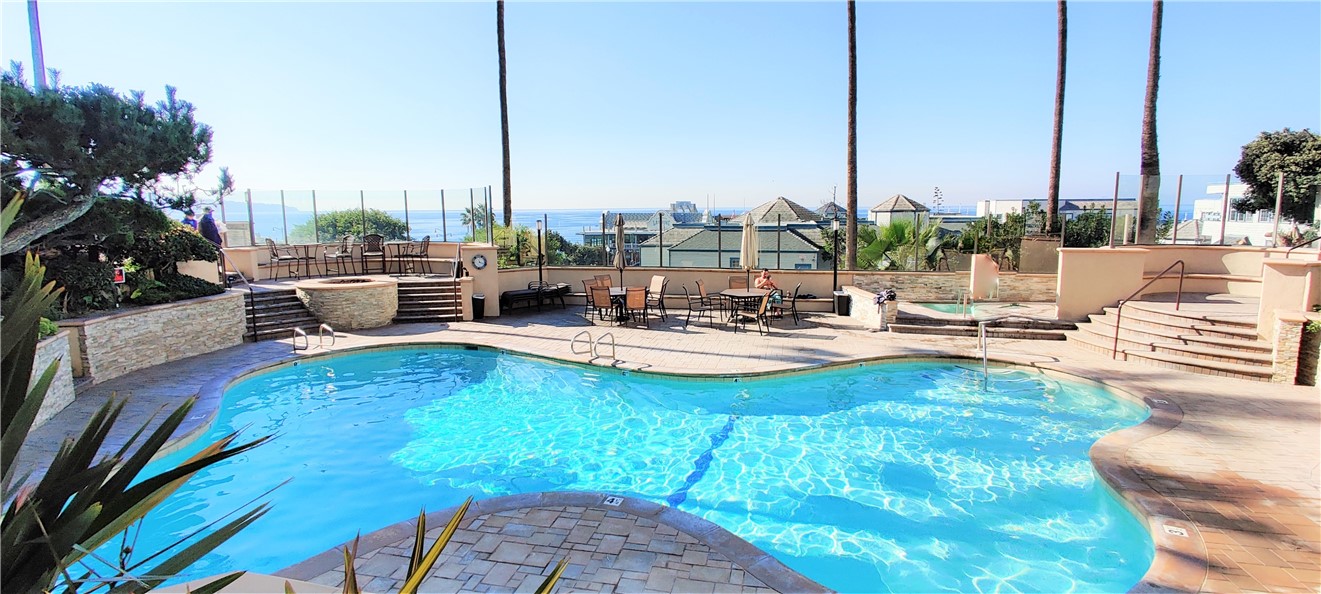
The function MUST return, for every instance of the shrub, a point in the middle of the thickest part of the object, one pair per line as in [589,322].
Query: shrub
[46,329]
[88,286]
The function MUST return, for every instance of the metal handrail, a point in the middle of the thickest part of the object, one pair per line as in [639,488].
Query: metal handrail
[306,342]
[1292,248]
[573,343]
[596,347]
[321,336]
[983,339]
[1119,312]
[252,303]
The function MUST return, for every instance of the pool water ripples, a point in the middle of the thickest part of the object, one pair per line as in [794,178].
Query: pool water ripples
[888,477]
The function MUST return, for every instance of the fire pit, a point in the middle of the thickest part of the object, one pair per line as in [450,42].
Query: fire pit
[354,303]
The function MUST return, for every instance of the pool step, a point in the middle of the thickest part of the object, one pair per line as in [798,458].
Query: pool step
[1020,333]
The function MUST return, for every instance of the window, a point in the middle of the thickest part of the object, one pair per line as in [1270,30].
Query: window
[734,262]
[802,266]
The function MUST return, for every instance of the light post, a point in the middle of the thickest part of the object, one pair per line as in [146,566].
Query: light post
[834,259]
[539,280]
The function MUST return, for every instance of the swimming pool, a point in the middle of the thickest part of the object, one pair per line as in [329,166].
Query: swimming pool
[892,476]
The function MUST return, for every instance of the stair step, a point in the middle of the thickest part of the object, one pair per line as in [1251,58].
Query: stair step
[1214,354]
[425,319]
[1103,332]
[1036,325]
[997,332]
[1202,366]
[1105,325]
[1155,309]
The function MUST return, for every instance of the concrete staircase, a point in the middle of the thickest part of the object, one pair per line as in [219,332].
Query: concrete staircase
[1018,329]
[275,313]
[1202,338]
[429,301]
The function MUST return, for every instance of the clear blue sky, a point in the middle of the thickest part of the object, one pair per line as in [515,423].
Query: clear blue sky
[616,104]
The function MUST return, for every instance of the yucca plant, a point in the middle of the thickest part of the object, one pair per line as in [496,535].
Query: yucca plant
[52,527]
[420,564]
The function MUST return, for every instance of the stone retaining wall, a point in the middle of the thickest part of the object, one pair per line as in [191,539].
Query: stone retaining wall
[1296,350]
[946,286]
[347,305]
[60,393]
[112,345]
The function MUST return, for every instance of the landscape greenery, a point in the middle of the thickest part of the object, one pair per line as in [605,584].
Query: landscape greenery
[333,225]
[1298,156]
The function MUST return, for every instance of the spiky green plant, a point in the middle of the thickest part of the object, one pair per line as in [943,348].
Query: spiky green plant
[52,525]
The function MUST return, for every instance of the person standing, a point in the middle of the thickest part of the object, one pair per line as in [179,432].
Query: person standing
[190,220]
[208,228]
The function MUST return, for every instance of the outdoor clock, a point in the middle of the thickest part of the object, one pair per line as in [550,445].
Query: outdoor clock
[479,261]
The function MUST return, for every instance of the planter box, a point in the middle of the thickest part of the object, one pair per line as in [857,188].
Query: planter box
[111,345]
[60,393]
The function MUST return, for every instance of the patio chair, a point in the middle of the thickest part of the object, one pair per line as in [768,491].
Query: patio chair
[635,303]
[738,282]
[412,257]
[373,248]
[710,299]
[341,253]
[656,294]
[285,257]
[780,307]
[696,303]
[741,318]
[603,280]
[587,292]
[601,301]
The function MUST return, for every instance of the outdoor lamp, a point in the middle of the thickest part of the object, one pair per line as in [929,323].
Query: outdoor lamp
[834,256]
[539,279]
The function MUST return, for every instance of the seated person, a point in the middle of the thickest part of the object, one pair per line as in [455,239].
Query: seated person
[765,282]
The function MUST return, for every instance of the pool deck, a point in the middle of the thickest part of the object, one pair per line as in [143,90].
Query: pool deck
[1236,465]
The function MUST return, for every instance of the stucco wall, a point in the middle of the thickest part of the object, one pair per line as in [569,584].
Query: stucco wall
[60,393]
[119,343]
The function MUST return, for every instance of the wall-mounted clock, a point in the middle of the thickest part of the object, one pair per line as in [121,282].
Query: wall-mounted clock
[479,261]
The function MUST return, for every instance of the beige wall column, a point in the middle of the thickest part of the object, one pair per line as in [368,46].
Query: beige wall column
[1286,286]
[247,260]
[465,294]
[985,277]
[1296,354]
[207,271]
[1091,279]
[485,280]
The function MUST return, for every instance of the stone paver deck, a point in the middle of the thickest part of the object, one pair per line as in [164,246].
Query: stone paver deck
[1236,465]
[510,544]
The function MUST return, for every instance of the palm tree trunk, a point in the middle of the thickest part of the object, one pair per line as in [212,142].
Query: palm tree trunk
[851,201]
[1057,137]
[504,111]
[1149,201]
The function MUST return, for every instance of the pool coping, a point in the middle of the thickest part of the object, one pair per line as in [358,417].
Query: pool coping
[751,559]
[1179,562]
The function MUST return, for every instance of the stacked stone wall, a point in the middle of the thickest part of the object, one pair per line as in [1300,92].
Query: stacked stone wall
[60,393]
[119,343]
[352,307]
[863,308]
[947,286]
[1296,352]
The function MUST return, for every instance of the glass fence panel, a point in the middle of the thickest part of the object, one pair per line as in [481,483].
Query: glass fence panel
[338,213]
[425,215]
[383,213]
[300,216]
[266,214]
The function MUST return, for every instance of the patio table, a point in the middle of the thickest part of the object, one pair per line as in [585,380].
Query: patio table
[741,299]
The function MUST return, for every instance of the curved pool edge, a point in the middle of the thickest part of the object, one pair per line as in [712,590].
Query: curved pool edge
[746,556]
[1179,562]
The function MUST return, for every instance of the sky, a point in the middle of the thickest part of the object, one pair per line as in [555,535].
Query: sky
[633,105]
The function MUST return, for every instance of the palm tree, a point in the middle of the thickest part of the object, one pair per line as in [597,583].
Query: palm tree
[504,109]
[1149,201]
[851,201]
[1057,137]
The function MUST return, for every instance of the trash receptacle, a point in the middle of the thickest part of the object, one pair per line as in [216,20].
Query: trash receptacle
[842,301]
[478,306]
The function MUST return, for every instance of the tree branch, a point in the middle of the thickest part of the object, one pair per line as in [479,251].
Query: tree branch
[21,236]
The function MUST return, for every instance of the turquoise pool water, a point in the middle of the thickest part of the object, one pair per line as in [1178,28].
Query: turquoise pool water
[889,477]
[950,308]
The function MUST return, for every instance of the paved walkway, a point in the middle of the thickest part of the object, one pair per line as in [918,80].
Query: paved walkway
[1235,465]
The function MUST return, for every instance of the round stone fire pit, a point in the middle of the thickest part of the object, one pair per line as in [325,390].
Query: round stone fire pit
[353,303]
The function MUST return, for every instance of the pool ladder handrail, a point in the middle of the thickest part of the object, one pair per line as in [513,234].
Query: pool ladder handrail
[320,335]
[983,339]
[593,345]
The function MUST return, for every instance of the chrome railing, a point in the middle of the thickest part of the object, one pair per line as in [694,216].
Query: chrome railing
[1119,312]
[252,304]
[984,339]
[1305,243]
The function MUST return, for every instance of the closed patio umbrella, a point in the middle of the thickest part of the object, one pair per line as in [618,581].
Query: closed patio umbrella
[620,263]
[748,250]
